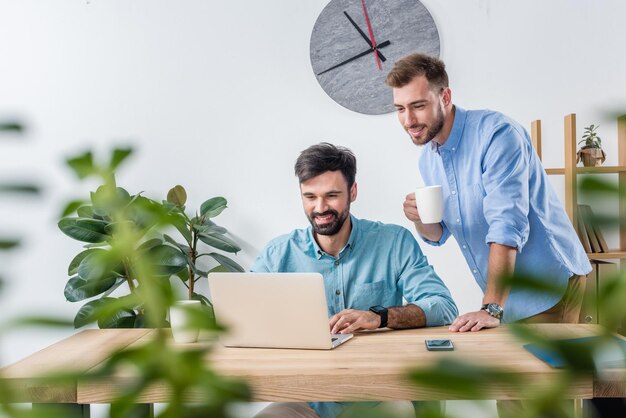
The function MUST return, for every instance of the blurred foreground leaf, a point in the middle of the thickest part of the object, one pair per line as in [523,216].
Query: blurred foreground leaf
[11,126]
[24,188]
[461,380]
[7,244]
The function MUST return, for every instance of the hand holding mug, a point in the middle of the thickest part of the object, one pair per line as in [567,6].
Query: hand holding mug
[428,203]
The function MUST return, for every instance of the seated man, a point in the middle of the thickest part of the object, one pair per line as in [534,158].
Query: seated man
[368,267]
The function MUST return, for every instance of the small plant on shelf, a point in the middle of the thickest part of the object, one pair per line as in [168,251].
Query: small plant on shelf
[591,153]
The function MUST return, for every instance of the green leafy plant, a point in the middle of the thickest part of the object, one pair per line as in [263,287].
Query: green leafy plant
[591,138]
[120,230]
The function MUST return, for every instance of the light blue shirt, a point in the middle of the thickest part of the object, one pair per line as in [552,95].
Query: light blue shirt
[380,265]
[496,191]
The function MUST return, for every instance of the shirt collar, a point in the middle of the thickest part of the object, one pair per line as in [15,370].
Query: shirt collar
[456,132]
[354,233]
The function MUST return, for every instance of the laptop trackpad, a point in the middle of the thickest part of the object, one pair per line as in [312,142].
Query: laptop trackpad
[338,339]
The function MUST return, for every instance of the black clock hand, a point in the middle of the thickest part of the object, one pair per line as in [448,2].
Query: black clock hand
[369,42]
[362,54]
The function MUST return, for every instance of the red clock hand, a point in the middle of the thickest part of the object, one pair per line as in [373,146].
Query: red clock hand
[369,28]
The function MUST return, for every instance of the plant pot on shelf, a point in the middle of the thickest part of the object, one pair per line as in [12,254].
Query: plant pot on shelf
[591,157]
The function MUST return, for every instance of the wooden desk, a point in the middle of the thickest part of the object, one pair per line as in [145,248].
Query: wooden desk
[372,365]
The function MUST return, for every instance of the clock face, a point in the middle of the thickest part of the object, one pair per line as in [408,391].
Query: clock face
[346,65]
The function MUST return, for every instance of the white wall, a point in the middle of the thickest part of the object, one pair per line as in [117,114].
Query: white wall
[220,97]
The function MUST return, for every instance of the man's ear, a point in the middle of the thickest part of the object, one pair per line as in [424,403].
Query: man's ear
[353,192]
[446,96]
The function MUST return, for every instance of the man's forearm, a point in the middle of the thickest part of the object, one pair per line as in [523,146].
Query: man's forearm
[409,316]
[501,265]
[431,232]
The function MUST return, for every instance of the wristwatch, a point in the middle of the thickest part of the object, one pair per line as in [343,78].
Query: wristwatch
[382,312]
[493,309]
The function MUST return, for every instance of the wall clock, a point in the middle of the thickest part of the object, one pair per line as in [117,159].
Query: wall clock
[355,43]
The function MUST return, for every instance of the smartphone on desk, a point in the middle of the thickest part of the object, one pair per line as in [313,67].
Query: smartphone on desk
[439,345]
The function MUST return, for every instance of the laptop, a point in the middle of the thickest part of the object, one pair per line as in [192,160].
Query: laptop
[273,310]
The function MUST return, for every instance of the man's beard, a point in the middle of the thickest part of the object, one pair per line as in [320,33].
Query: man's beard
[433,131]
[331,228]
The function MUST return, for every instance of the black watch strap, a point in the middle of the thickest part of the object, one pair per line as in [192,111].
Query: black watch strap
[382,312]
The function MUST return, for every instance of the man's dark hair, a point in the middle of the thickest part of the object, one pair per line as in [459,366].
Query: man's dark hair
[411,66]
[323,157]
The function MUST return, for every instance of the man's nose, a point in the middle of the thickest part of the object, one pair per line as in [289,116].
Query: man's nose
[321,206]
[409,119]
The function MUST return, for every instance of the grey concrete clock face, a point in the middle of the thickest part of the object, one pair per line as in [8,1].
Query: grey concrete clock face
[344,61]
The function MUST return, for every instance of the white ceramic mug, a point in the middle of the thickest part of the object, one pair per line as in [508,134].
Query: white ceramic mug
[429,201]
[182,330]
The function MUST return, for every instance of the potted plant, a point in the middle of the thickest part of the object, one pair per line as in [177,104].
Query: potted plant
[591,153]
[127,245]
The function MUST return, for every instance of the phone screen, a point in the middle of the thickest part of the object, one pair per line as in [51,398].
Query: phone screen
[435,345]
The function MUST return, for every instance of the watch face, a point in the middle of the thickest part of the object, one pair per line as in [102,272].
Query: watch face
[346,65]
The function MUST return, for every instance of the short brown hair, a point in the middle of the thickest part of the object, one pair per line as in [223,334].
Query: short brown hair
[414,65]
[323,157]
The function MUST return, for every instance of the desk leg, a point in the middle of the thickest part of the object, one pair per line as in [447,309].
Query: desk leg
[581,408]
[69,410]
[142,410]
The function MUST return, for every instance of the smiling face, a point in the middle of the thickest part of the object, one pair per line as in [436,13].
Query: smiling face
[326,200]
[422,111]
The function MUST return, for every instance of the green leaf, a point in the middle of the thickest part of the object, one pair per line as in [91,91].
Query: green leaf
[167,260]
[177,195]
[215,230]
[183,248]
[220,242]
[124,318]
[78,289]
[118,156]
[183,275]
[82,165]
[84,229]
[16,127]
[226,263]
[72,269]
[72,207]
[38,321]
[213,207]
[151,243]
[219,269]
[7,244]
[462,380]
[85,211]
[107,199]
[180,223]
[20,188]
[100,265]
[89,312]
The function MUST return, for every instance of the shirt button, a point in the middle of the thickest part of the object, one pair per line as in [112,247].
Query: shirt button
[336,263]
[337,292]
[465,246]
[453,149]
[475,271]
[458,220]
[453,191]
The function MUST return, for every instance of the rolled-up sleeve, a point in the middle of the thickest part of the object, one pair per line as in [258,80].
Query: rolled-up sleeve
[419,283]
[505,178]
[445,234]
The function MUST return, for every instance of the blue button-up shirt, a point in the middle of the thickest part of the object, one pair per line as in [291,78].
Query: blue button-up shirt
[380,265]
[496,191]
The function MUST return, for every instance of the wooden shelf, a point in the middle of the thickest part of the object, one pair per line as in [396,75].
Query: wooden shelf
[613,254]
[570,171]
[550,171]
[590,170]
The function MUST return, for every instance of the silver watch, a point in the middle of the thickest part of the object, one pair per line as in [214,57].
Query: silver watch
[493,309]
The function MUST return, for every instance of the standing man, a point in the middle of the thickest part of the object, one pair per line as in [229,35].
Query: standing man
[498,203]
[368,267]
